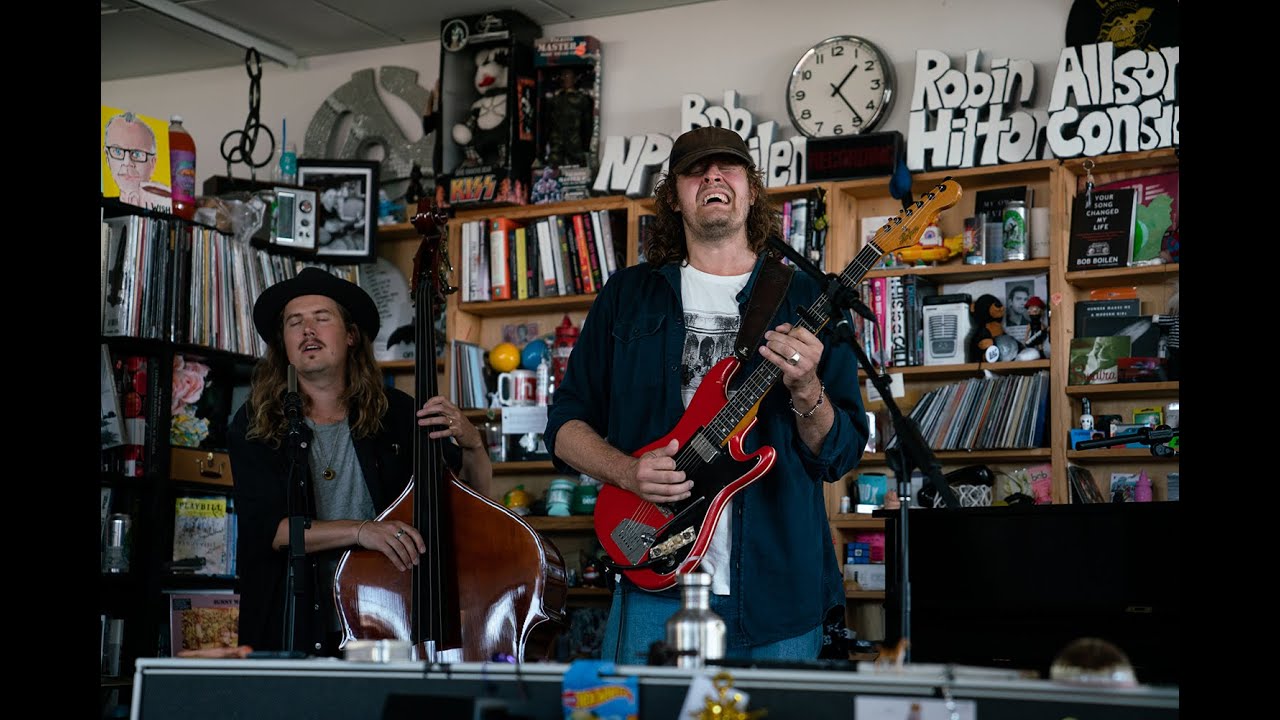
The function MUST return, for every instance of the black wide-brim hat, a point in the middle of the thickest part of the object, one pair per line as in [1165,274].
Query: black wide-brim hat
[314,281]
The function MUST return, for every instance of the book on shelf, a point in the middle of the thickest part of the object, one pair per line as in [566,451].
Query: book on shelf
[201,532]
[200,620]
[1088,310]
[1096,360]
[1156,213]
[1143,333]
[990,203]
[1101,231]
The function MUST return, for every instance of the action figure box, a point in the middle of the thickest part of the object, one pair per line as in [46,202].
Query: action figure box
[486,117]
[568,118]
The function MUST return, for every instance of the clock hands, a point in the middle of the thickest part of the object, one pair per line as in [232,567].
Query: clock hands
[856,116]
[835,89]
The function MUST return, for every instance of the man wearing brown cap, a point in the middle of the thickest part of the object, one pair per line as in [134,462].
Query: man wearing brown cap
[648,339]
[360,438]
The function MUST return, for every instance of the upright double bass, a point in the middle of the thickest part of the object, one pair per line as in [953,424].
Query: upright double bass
[487,578]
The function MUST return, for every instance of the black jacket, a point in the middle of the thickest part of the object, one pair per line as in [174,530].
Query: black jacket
[261,497]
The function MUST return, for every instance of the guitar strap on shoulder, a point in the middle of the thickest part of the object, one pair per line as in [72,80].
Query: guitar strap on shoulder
[766,296]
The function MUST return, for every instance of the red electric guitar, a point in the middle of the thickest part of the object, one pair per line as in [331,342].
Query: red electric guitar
[653,543]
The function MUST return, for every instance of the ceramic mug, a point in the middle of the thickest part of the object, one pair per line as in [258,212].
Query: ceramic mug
[518,387]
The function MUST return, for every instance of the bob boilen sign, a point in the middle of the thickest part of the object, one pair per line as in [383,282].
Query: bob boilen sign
[630,165]
[1100,103]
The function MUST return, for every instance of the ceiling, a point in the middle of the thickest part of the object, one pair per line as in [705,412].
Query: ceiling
[154,37]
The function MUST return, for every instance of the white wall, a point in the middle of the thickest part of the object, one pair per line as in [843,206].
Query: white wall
[650,60]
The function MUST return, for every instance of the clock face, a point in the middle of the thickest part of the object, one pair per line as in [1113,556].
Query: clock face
[841,86]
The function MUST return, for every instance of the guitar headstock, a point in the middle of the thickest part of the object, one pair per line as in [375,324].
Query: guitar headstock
[906,228]
[431,262]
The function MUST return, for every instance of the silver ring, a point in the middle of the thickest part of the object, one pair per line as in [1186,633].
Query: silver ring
[450,422]
[794,359]
[400,532]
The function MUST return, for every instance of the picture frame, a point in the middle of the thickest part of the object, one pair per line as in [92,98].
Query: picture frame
[346,200]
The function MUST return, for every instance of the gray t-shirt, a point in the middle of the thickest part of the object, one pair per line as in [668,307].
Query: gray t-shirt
[344,497]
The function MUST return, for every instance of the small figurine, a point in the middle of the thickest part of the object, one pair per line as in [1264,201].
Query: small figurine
[987,312]
[1037,341]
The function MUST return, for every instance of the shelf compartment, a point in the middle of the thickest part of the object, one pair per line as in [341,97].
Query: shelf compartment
[1113,391]
[1112,276]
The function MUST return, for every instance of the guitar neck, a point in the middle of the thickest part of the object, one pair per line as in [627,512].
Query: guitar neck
[761,381]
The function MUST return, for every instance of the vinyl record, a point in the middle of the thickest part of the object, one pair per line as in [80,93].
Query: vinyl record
[1144,24]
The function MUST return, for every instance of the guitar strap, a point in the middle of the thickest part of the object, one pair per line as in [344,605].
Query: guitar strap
[766,296]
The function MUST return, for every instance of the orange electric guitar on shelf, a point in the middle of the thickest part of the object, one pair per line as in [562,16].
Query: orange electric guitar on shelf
[652,543]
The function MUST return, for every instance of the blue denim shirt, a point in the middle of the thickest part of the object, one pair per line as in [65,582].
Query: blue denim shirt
[623,380]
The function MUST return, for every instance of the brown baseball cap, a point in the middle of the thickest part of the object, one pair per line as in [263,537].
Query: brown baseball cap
[703,142]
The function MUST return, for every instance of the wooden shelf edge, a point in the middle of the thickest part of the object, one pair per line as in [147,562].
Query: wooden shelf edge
[524,466]
[856,521]
[1117,454]
[1111,276]
[506,308]
[1125,390]
[958,270]
[572,523]
[971,456]
[921,371]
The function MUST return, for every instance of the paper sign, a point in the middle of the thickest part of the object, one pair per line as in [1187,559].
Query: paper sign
[896,387]
[524,419]
[881,707]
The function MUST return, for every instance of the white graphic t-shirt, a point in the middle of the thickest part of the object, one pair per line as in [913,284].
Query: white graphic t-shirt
[711,325]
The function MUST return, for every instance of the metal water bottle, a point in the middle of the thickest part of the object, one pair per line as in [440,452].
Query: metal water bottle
[695,633]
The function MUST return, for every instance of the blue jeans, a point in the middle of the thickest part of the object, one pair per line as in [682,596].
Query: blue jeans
[640,618]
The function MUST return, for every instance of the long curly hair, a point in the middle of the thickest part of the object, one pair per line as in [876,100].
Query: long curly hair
[667,242]
[365,400]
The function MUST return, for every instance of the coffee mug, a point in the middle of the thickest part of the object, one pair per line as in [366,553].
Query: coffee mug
[520,387]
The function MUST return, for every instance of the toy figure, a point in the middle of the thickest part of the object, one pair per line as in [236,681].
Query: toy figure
[1038,331]
[569,112]
[986,345]
[483,136]
[547,188]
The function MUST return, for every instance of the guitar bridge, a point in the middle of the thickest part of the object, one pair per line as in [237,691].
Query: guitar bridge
[673,543]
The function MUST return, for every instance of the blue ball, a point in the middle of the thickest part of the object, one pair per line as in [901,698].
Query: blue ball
[532,354]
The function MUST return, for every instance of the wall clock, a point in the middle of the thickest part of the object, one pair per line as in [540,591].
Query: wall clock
[841,86]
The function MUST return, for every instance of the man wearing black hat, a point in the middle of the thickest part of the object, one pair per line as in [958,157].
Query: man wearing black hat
[651,334]
[360,439]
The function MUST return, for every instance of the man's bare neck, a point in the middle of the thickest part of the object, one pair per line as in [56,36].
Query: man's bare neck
[730,256]
[326,403]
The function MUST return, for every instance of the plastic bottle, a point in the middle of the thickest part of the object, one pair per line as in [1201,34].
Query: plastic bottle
[287,168]
[1142,492]
[182,169]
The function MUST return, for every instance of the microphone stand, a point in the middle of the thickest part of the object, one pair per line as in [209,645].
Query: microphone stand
[911,449]
[299,520]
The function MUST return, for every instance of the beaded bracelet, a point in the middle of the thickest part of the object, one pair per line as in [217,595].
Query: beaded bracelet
[806,415]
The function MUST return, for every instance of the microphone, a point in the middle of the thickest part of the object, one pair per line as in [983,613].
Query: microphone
[293,403]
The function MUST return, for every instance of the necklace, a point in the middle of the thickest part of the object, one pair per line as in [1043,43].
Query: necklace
[321,453]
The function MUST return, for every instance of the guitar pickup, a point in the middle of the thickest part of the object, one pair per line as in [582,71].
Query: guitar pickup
[673,543]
